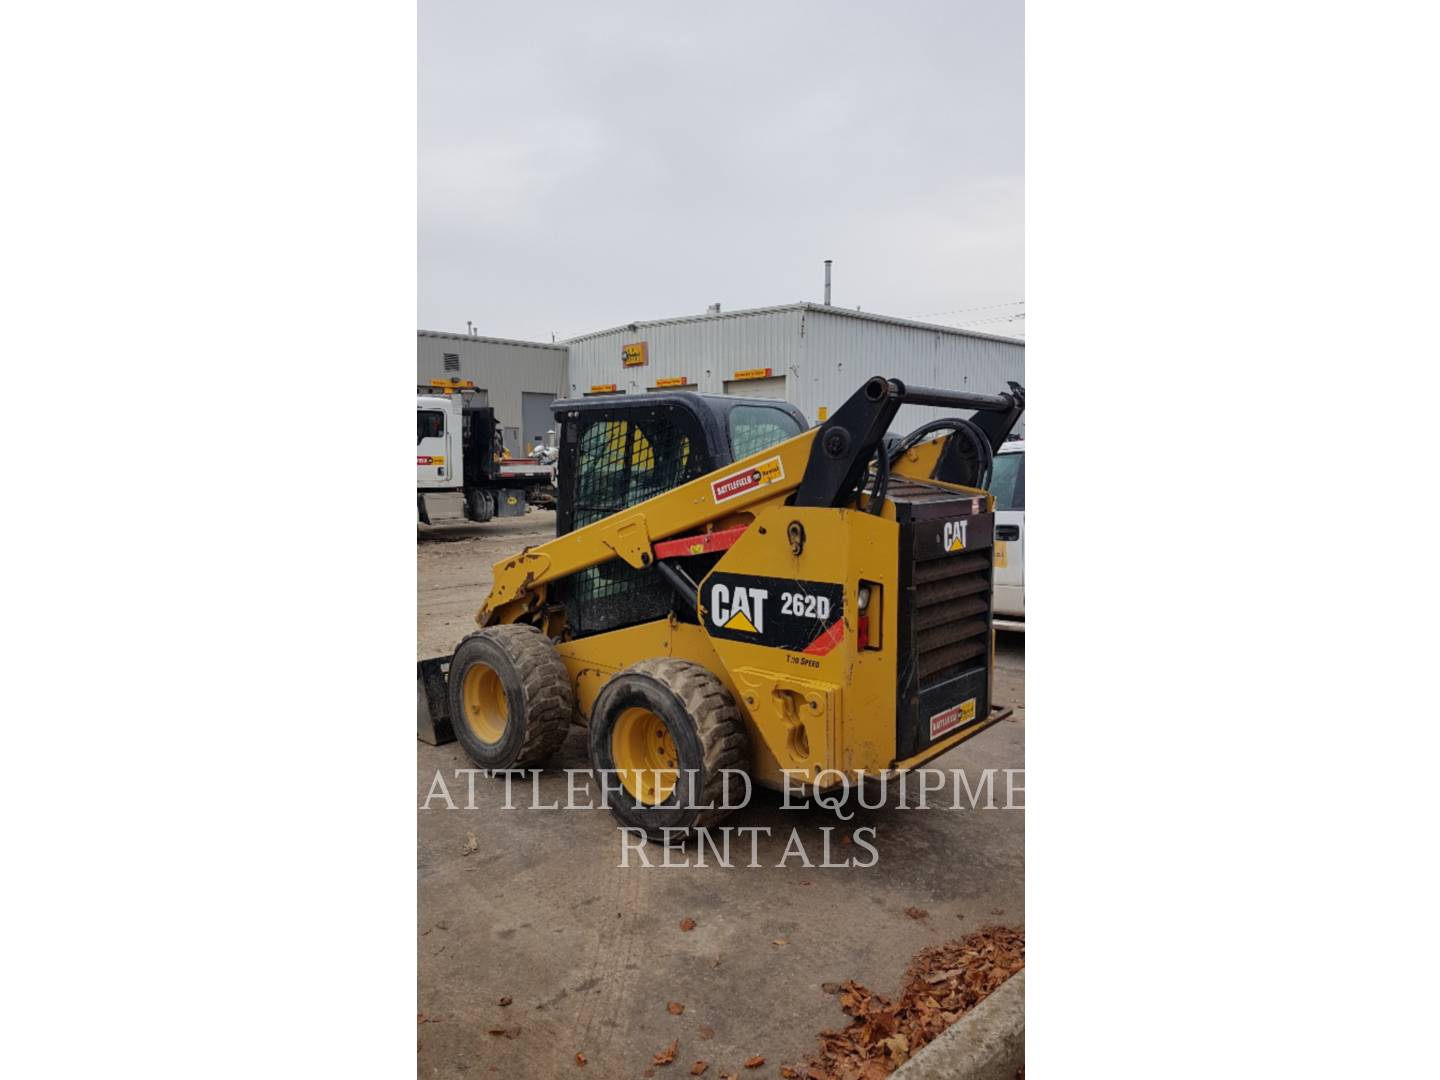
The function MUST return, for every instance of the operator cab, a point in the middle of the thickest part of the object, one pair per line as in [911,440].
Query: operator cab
[621,449]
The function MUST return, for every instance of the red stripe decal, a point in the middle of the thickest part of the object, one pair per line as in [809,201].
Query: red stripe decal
[720,540]
[833,635]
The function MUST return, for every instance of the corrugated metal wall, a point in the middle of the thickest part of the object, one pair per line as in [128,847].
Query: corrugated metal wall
[841,352]
[505,369]
[705,350]
[824,354]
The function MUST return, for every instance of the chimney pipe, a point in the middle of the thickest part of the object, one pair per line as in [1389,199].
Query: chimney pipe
[827,282]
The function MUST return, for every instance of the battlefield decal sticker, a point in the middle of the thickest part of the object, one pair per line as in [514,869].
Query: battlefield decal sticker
[769,471]
[952,718]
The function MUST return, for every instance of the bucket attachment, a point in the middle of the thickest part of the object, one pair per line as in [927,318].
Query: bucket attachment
[434,701]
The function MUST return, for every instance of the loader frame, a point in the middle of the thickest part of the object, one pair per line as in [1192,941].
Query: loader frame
[807,531]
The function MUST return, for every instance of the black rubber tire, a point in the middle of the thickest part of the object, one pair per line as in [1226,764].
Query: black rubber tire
[540,702]
[706,728]
[479,505]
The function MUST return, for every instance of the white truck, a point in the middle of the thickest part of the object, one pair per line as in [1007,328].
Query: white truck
[458,449]
[1007,484]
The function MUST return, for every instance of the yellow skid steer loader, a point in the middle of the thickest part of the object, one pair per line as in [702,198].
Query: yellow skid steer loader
[728,591]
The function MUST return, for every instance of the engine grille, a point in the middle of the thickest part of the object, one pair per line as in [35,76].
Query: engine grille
[946,550]
[952,614]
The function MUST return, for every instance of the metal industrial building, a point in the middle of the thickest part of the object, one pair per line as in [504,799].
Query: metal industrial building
[518,379]
[812,355]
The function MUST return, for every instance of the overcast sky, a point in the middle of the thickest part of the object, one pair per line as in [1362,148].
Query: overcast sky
[586,165]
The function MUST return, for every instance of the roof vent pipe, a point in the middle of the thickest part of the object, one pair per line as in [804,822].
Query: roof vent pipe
[827,282]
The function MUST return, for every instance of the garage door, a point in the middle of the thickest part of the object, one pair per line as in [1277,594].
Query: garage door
[535,418]
[773,387]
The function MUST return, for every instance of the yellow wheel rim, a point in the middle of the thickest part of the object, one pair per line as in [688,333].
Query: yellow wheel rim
[645,755]
[487,710]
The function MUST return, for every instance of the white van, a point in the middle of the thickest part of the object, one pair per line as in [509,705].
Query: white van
[1007,484]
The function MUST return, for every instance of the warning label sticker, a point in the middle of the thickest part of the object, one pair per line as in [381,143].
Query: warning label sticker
[769,471]
[952,718]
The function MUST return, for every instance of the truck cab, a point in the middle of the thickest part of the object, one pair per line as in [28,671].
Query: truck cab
[438,449]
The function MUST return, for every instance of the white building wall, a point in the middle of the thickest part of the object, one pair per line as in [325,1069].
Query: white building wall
[504,369]
[825,354]
[842,351]
[705,350]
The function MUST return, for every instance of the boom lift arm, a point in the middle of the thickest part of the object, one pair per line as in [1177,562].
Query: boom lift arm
[822,467]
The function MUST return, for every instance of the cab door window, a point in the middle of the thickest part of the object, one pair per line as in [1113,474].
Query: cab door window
[430,424]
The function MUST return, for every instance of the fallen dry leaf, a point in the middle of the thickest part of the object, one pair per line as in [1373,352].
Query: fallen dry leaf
[580,1060]
[687,923]
[916,913]
[830,988]
[664,1057]
[699,1067]
[472,845]
[942,983]
[674,1008]
[706,1031]
[779,941]
[505,1000]
[754,1062]
[789,1073]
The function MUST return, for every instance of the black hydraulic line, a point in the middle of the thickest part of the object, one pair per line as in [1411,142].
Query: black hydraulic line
[882,479]
[683,584]
[984,455]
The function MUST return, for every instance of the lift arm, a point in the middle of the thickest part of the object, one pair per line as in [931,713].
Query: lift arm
[821,467]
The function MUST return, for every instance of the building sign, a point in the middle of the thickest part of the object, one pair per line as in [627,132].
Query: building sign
[753,373]
[603,388]
[636,355]
[453,384]
[673,380]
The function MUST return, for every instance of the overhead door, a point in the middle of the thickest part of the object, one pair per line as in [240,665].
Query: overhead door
[535,418]
[771,387]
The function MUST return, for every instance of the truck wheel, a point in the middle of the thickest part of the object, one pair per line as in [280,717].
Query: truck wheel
[511,702]
[662,734]
[479,505]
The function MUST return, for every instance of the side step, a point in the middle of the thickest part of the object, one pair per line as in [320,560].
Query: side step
[433,724]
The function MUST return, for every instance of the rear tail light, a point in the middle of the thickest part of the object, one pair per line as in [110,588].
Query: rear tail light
[867,604]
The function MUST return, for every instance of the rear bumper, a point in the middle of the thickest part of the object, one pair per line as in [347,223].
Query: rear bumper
[1009,622]
[933,751]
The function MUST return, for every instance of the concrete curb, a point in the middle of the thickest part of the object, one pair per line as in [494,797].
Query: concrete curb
[987,1043]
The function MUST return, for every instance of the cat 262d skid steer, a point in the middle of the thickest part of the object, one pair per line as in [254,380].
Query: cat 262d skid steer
[728,591]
